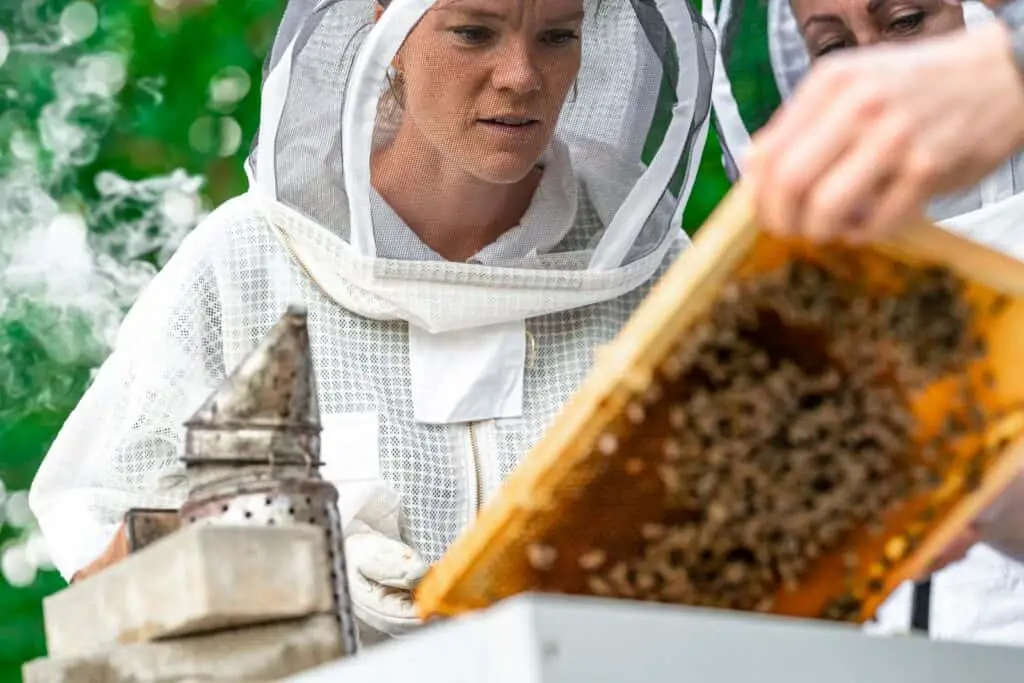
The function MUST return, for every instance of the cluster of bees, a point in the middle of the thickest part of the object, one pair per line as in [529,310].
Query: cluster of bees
[783,422]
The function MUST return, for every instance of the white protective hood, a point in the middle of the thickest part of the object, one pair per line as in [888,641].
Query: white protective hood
[616,176]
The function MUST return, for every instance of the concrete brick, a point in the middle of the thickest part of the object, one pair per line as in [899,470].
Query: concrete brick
[255,653]
[202,578]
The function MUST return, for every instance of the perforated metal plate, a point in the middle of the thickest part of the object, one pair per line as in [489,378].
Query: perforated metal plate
[259,498]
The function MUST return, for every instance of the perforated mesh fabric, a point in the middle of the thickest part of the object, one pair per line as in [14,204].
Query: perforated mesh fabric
[636,61]
[224,289]
[789,57]
[601,223]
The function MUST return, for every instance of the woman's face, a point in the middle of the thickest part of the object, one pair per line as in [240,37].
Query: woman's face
[829,25]
[484,81]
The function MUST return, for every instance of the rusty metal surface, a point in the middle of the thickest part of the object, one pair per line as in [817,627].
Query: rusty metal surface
[261,499]
[144,526]
[266,410]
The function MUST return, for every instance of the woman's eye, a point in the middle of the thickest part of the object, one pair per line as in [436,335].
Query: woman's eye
[908,23]
[560,37]
[473,35]
[823,50]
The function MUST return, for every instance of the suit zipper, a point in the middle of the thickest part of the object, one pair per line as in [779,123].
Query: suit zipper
[478,483]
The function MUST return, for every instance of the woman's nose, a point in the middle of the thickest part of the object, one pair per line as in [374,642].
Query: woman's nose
[867,37]
[516,69]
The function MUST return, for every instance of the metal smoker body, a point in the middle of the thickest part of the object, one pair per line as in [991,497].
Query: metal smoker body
[252,453]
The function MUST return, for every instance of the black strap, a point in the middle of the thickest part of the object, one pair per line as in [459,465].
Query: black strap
[921,606]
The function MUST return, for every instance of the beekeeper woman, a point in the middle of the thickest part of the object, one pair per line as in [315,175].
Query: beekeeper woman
[455,192]
[982,597]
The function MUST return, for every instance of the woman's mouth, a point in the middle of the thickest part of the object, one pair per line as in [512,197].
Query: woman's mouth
[509,123]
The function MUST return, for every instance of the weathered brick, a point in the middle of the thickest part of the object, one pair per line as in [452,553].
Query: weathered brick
[202,578]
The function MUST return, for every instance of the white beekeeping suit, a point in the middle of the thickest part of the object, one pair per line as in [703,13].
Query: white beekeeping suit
[435,377]
[982,597]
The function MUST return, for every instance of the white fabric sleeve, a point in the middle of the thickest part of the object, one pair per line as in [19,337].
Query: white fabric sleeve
[371,506]
[121,442]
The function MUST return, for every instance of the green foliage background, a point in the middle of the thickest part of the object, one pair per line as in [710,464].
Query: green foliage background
[179,49]
[176,51]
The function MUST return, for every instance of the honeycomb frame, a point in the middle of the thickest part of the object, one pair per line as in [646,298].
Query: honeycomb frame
[523,541]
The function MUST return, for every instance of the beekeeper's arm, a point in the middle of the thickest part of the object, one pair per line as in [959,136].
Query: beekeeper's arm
[872,135]
[121,443]
[120,447]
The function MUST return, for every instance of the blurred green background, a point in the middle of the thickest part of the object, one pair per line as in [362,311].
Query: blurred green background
[121,123]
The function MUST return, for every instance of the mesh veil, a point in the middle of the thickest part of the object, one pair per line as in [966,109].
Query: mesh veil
[755,76]
[633,126]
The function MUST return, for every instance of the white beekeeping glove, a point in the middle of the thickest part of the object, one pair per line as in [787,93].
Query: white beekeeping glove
[382,574]
[382,570]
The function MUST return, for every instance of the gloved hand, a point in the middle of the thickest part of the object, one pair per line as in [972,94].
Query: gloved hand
[382,574]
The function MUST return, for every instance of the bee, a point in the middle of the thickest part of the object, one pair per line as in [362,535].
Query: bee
[593,560]
[793,431]
[896,549]
[973,474]
[541,557]
[635,413]
[998,305]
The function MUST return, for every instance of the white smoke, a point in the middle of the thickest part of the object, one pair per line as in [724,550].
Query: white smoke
[71,262]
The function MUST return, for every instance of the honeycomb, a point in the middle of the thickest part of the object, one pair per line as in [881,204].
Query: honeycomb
[780,428]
